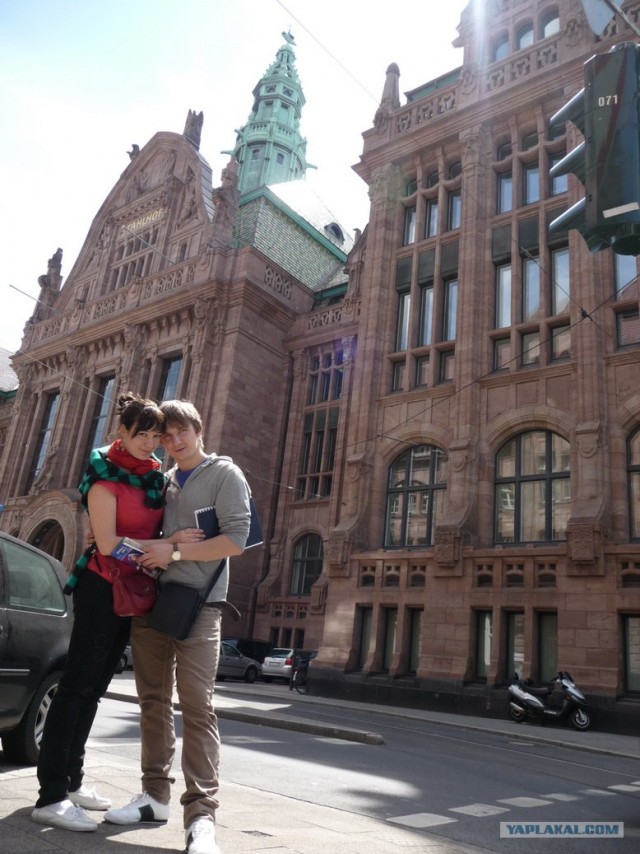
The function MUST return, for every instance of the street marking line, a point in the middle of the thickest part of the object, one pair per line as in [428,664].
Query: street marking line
[524,802]
[623,787]
[560,796]
[422,819]
[595,792]
[479,810]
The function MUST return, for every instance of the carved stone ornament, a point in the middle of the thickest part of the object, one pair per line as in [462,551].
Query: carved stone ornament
[446,548]
[582,542]
[338,553]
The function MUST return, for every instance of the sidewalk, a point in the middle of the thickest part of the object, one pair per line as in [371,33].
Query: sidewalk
[251,820]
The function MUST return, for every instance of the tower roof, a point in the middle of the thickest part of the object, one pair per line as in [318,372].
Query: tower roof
[269,148]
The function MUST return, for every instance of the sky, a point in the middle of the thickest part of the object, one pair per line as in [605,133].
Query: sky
[82,80]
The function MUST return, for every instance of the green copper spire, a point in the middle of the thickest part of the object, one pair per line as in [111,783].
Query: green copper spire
[269,148]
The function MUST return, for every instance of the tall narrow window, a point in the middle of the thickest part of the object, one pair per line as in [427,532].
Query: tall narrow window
[409,226]
[450,310]
[484,633]
[631,631]
[431,222]
[168,388]
[531,298]
[559,184]
[633,473]
[416,482]
[307,564]
[503,296]
[560,287]
[44,435]
[404,313]
[364,621]
[531,183]
[625,273]
[426,315]
[505,192]
[100,419]
[455,210]
[390,634]
[547,646]
[415,639]
[533,488]
[514,659]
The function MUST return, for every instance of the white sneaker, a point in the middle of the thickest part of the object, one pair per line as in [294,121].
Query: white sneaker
[201,837]
[64,814]
[142,808]
[89,799]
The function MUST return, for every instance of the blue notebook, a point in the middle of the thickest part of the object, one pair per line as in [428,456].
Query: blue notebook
[207,520]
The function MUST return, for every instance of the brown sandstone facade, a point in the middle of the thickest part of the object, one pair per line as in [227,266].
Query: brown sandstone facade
[445,453]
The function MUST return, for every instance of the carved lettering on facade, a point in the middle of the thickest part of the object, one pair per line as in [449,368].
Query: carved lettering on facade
[146,219]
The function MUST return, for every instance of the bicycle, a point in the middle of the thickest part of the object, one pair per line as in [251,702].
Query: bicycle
[299,678]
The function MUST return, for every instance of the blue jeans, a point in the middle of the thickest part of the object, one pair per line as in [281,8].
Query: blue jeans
[191,664]
[97,642]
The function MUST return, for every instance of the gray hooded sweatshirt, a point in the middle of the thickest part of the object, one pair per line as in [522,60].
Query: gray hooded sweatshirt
[217,482]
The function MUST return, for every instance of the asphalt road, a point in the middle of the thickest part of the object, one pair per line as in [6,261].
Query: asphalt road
[452,784]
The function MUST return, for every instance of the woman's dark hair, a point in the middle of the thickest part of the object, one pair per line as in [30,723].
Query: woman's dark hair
[138,414]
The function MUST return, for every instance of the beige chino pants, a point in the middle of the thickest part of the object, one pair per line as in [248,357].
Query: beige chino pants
[159,661]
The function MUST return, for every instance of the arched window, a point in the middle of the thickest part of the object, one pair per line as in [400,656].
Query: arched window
[307,564]
[533,488]
[432,179]
[524,36]
[415,487]
[550,24]
[633,463]
[503,151]
[500,48]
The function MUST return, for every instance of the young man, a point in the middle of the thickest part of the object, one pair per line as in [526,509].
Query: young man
[198,480]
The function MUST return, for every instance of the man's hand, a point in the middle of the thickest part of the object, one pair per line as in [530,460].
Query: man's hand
[157,555]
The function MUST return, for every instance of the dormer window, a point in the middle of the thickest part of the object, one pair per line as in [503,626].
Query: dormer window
[335,231]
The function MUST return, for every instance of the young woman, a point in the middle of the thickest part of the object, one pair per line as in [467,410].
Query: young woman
[123,490]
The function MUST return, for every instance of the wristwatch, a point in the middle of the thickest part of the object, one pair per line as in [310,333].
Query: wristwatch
[175,554]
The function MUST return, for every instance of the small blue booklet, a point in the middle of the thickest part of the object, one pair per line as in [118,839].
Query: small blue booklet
[207,520]
[127,549]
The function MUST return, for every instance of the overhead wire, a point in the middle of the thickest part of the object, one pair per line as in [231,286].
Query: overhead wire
[584,314]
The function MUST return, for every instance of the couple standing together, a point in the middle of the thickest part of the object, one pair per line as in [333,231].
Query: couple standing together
[126,494]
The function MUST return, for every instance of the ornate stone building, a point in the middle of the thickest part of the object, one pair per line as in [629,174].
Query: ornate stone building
[446,448]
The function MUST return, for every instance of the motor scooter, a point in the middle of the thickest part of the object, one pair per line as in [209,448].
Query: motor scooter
[529,702]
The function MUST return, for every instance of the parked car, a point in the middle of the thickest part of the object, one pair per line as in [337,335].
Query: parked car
[126,660]
[256,649]
[280,661]
[35,627]
[234,665]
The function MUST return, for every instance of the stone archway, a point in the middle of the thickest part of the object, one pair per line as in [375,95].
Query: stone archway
[49,537]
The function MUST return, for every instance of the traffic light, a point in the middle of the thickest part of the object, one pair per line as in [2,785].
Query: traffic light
[608,161]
